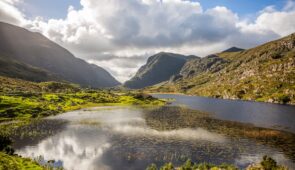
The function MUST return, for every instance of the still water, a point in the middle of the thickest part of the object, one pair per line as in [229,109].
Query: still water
[129,138]
[268,115]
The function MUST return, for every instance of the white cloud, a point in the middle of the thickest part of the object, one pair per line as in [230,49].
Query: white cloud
[9,13]
[133,28]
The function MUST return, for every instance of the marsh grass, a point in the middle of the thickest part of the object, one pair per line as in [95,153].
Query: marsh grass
[171,118]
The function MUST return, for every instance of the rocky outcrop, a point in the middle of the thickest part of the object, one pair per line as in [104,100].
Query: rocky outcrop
[159,67]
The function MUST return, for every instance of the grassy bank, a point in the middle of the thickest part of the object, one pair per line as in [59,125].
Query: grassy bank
[21,99]
[13,162]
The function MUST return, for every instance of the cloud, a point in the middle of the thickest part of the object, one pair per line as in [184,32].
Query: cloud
[128,29]
[9,13]
[120,67]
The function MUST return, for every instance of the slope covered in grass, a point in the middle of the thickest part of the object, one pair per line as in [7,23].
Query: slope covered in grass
[265,73]
[23,99]
[8,162]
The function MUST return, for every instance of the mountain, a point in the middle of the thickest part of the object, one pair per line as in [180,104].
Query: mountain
[211,63]
[233,49]
[34,57]
[15,69]
[159,67]
[264,73]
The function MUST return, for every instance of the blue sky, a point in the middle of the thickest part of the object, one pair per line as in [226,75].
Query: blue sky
[242,7]
[48,8]
[58,8]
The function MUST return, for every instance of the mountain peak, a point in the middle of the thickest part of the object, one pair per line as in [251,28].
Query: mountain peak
[233,49]
[159,67]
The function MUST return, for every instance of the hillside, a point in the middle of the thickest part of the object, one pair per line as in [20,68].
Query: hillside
[159,67]
[31,56]
[264,73]
[14,69]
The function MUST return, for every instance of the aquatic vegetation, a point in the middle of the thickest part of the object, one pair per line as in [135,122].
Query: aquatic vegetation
[189,165]
[12,132]
[30,130]
[171,118]
[99,125]
[267,163]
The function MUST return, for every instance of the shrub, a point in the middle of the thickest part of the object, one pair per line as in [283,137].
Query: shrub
[188,165]
[5,145]
[152,167]
[268,163]
[276,55]
[284,99]
[167,166]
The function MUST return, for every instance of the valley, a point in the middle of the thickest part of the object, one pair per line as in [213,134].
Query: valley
[58,111]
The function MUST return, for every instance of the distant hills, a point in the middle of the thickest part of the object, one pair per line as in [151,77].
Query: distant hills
[159,67]
[31,56]
[264,73]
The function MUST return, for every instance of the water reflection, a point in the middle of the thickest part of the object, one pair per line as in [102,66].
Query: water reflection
[121,138]
[76,147]
[268,115]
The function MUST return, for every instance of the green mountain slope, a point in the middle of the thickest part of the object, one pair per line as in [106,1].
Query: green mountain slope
[265,73]
[35,50]
[14,69]
[159,67]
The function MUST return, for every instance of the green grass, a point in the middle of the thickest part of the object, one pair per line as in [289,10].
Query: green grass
[22,100]
[35,105]
[9,162]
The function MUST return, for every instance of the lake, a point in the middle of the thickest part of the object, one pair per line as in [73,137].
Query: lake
[276,116]
[134,137]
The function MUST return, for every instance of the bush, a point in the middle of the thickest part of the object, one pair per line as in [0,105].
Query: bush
[143,96]
[188,165]
[152,167]
[5,145]
[268,163]
[167,166]
[276,55]
[284,99]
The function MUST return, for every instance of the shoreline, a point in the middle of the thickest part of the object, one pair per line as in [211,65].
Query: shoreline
[231,99]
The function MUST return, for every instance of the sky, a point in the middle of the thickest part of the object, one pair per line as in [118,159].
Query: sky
[119,35]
